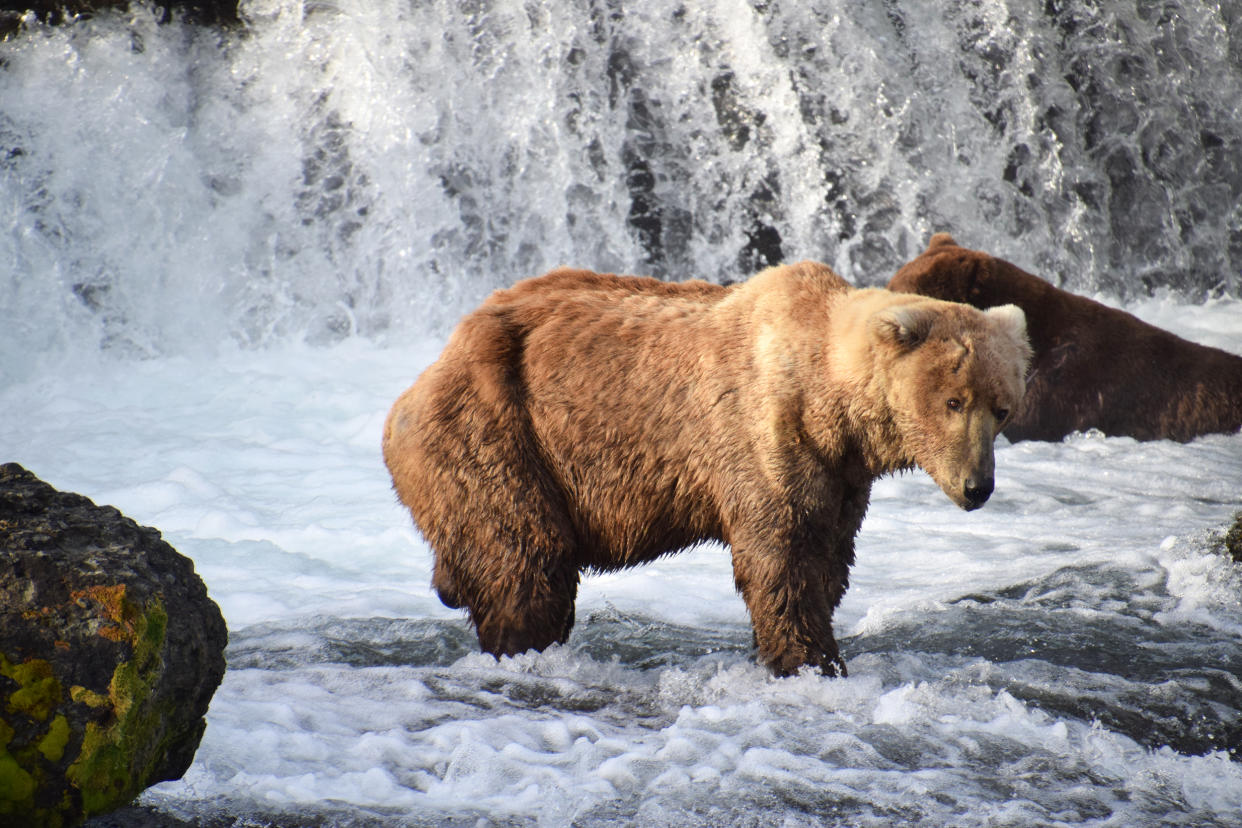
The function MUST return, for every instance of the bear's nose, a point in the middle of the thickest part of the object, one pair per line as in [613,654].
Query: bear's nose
[978,490]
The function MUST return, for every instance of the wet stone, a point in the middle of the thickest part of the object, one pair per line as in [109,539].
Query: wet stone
[110,651]
[1233,539]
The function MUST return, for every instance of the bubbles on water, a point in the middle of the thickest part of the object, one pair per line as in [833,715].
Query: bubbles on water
[1096,644]
[355,642]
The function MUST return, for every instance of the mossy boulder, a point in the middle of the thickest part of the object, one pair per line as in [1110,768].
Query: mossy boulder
[110,651]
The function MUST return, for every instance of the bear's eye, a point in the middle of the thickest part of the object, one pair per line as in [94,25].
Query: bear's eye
[1002,414]
[954,404]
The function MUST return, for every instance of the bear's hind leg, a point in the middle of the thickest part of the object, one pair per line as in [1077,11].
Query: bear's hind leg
[488,499]
[527,610]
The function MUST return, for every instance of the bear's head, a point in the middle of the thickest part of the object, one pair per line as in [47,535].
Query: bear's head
[952,377]
[945,270]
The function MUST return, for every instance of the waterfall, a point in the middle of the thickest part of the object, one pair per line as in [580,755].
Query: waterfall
[373,168]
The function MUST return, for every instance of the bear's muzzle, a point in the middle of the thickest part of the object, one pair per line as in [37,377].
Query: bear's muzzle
[977,490]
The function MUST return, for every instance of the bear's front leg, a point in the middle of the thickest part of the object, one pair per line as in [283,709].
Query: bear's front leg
[791,596]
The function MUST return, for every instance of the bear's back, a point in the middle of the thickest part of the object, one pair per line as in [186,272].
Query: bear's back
[571,286]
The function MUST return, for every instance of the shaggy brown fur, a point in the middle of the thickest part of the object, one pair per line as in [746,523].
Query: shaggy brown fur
[580,421]
[1095,366]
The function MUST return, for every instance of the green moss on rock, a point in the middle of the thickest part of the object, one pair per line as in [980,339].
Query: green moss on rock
[36,694]
[52,745]
[88,697]
[38,691]
[17,786]
[114,759]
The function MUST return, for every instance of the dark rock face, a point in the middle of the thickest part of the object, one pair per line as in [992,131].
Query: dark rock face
[206,12]
[110,651]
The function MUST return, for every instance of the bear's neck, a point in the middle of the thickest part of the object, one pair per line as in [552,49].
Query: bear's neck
[854,428]
[813,379]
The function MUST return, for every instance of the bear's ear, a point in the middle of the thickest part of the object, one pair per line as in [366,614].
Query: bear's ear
[940,240]
[905,325]
[1012,320]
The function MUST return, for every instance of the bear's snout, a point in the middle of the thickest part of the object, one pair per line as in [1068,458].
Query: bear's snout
[977,490]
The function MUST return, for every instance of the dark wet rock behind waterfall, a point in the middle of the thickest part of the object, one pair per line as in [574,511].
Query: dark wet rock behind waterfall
[210,12]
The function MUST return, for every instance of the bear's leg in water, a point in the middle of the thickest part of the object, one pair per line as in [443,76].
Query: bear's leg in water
[791,598]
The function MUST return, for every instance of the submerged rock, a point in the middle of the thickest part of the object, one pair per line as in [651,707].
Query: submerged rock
[110,651]
[1233,539]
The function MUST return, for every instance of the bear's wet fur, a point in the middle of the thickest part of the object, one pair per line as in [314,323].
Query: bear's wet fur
[1095,367]
[590,422]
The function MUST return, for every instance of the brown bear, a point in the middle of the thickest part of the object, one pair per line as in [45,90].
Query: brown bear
[580,421]
[1094,366]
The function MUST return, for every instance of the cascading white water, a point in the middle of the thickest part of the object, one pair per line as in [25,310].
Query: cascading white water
[339,168]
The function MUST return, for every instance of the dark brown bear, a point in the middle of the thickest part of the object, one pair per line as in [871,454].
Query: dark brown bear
[581,421]
[1095,366]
